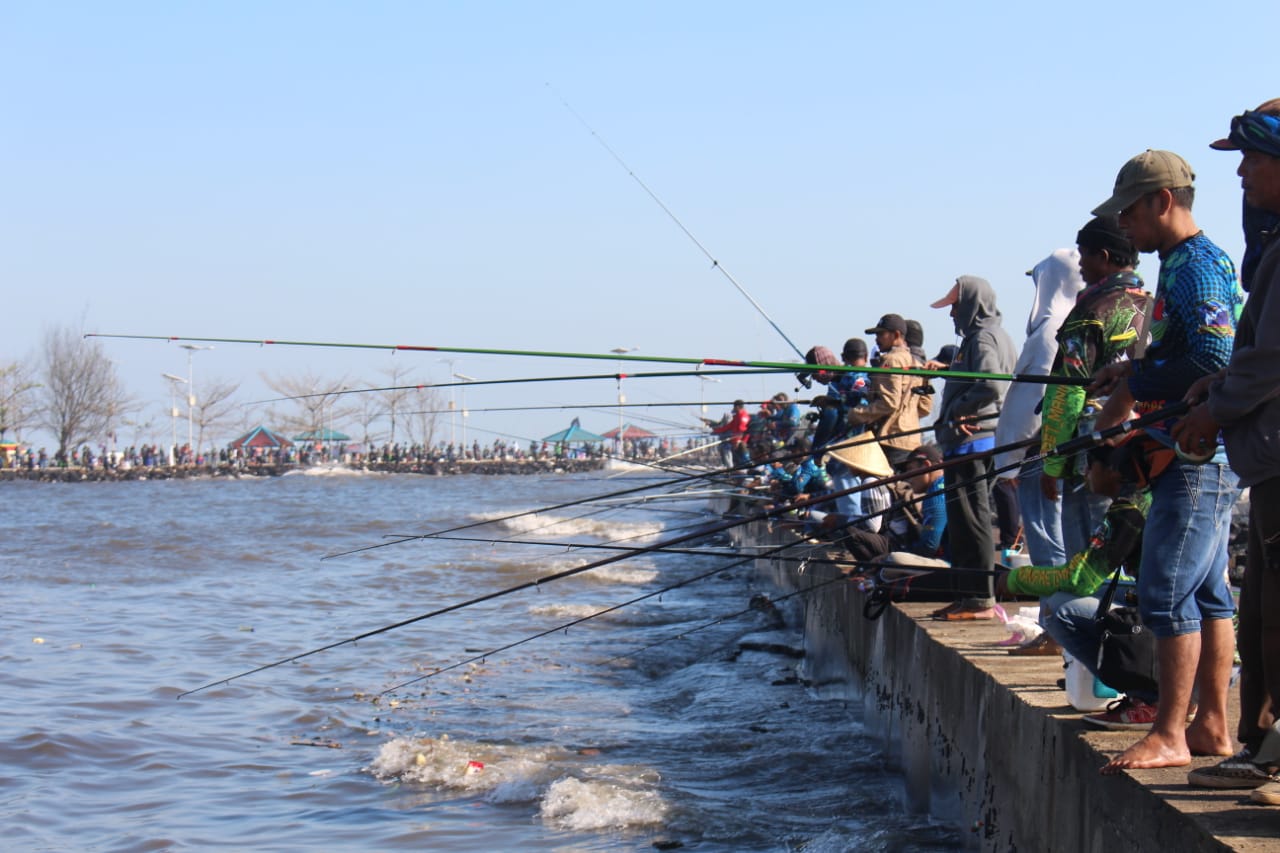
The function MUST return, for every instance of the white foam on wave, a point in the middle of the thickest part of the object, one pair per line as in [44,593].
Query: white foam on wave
[333,470]
[562,526]
[623,574]
[574,797]
[501,773]
[595,804]
[567,611]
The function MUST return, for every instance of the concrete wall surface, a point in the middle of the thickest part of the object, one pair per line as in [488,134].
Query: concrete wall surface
[986,741]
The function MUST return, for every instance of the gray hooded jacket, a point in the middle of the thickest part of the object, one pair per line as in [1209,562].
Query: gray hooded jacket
[985,348]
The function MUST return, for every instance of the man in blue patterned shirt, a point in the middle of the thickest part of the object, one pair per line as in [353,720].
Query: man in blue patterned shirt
[1183,595]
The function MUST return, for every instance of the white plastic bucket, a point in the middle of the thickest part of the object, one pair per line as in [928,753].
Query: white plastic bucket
[1084,691]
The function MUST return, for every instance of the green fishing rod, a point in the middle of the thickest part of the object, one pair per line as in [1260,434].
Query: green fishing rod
[792,367]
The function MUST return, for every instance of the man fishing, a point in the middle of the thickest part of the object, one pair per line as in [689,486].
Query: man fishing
[1244,400]
[1104,325]
[965,430]
[733,430]
[1183,595]
[892,407]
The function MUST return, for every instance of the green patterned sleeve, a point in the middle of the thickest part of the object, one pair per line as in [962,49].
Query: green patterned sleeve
[1061,414]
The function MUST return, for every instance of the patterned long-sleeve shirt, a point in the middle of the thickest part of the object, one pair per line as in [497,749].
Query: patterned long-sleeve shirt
[1193,322]
[1103,324]
[1116,542]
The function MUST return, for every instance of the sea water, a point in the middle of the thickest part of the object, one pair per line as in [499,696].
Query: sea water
[644,726]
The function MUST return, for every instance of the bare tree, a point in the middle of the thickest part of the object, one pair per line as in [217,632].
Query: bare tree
[368,409]
[399,394]
[82,397]
[18,406]
[316,401]
[214,408]
[421,421]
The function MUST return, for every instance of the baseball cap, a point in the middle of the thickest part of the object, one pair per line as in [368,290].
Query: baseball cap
[889,323]
[952,297]
[1146,173]
[1271,108]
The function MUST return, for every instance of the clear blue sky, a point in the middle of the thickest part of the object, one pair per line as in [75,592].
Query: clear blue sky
[403,173]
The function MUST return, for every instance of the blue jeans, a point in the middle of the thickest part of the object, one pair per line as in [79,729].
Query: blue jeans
[1071,623]
[1082,512]
[1041,520]
[1184,555]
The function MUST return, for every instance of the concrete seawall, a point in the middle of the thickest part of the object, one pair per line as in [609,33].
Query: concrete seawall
[987,742]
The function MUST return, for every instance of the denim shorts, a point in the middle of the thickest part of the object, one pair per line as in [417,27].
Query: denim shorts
[1184,548]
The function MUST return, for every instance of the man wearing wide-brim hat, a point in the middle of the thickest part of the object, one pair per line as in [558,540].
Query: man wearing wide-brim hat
[1183,595]
[1243,400]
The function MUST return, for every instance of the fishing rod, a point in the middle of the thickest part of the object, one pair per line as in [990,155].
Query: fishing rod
[708,475]
[784,366]
[708,530]
[654,374]
[1066,448]
[746,611]
[592,546]
[878,597]
[714,263]
[567,625]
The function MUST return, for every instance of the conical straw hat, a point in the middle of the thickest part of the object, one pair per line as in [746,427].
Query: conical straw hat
[862,453]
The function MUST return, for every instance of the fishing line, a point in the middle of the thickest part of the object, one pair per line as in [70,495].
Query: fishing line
[609,546]
[531,379]
[708,475]
[785,366]
[1067,448]
[714,263]
[567,625]
[708,530]
[878,598]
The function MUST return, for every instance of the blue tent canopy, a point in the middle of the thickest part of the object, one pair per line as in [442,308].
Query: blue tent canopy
[322,435]
[573,433]
[260,436]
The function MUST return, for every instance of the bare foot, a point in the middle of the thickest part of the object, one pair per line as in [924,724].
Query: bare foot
[1152,751]
[1204,738]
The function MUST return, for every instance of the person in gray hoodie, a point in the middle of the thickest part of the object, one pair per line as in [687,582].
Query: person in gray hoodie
[985,347]
[1057,281]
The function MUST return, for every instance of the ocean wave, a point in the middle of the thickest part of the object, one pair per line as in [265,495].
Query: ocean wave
[582,798]
[561,526]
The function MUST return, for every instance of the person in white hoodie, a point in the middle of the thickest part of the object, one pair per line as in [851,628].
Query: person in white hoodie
[1057,281]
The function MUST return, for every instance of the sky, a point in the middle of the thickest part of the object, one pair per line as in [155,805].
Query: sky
[433,173]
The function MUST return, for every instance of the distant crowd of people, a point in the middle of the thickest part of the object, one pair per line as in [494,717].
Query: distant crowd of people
[1196,360]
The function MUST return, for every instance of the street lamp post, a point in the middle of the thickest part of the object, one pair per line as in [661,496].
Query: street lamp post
[173,411]
[622,398]
[453,404]
[465,378]
[191,349]
[702,391]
